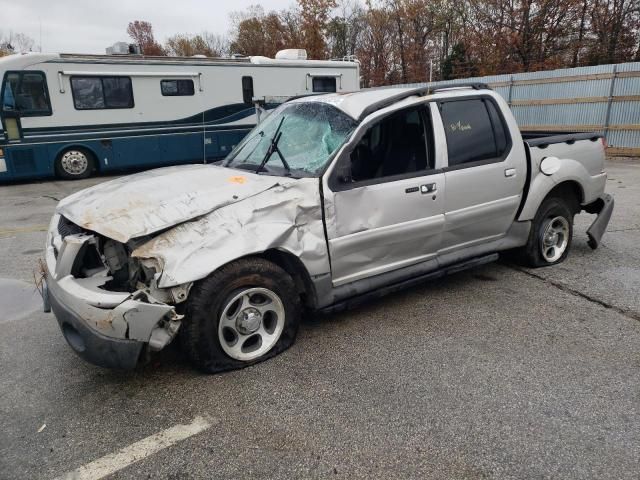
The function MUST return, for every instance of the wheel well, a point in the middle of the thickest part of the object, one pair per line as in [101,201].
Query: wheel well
[294,267]
[96,163]
[569,190]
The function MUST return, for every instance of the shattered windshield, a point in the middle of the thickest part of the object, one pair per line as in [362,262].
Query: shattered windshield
[310,132]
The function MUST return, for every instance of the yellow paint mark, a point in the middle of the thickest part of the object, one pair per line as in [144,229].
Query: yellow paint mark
[10,232]
[238,179]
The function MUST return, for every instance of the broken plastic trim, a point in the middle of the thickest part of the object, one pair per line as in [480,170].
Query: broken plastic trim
[603,207]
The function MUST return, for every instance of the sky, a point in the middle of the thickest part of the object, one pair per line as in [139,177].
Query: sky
[89,26]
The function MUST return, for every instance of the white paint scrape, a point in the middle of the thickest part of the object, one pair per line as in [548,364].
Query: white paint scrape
[135,452]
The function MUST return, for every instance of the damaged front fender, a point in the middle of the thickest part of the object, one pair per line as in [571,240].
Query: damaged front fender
[286,217]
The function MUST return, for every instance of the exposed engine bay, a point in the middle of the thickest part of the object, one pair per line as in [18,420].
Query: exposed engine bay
[127,272]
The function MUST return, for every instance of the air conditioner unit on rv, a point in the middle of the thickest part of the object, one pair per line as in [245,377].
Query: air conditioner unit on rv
[292,54]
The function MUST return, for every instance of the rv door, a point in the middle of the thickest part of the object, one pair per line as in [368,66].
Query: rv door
[24,94]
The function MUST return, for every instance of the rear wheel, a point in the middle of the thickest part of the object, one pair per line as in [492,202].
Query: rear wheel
[246,312]
[75,163]
[551,234]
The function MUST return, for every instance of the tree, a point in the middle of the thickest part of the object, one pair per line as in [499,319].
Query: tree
[376,58]
[15,43]
[314,15]
[457,64]
[6,48]
[142,34]
[22,43]
[615,26]
[344,31]
[217,44]
[208,44]
[523,35]
[257,33]
[396,41]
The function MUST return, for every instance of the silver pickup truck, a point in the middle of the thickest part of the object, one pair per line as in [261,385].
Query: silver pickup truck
[331,200]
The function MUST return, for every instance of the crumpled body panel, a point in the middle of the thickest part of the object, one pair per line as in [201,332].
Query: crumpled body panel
[287,217]
[148,202]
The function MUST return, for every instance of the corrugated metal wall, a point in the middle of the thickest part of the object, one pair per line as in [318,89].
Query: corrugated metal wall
[603,98]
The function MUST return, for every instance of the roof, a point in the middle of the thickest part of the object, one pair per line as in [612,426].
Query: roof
[364,102]
[20,61]
[355,103]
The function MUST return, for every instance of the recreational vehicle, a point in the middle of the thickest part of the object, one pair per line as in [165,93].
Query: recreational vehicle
[69,115]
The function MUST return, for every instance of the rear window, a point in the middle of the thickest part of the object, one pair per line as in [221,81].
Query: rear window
[27,93]
[95,93]
[474,129]
[176,88]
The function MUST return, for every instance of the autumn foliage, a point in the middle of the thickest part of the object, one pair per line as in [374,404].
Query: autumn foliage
[405,41]
[142,34]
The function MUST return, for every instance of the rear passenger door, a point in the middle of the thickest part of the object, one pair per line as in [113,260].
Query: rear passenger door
[485,171]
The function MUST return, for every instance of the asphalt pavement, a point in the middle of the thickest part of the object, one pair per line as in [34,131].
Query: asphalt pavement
[496,372]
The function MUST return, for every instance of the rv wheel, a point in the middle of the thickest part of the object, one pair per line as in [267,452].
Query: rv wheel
[75,163]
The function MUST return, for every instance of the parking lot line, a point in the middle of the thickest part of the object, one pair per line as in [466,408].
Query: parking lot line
[137,451]
[8,232]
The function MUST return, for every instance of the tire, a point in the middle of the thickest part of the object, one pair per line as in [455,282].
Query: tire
[227,311]
[551,234]
[74,164]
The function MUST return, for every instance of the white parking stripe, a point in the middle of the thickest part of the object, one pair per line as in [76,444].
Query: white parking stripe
[135,452]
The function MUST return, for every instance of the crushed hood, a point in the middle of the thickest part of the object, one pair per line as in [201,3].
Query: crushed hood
[145,203]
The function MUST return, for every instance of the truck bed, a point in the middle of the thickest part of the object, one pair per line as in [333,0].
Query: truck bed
[543,139]
[586,147]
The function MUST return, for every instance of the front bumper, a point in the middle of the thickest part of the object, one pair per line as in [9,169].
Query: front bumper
[91,345]
[108,329]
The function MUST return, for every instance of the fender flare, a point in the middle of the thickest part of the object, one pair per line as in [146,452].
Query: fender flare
[571,173]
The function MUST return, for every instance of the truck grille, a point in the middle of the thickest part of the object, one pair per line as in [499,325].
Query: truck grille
[65,227]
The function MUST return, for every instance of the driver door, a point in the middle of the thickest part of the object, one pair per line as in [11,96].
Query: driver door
[389,212]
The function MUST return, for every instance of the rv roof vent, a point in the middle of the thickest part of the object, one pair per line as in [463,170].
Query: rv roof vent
[292,54]
[124,48]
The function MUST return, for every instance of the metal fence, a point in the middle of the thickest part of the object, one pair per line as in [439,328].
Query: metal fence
[603,98]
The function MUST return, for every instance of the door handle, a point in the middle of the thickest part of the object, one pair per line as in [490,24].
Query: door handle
[428,188]
[510,172]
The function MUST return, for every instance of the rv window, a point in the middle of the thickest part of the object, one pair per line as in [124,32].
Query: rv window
[324,84]
[26,92]
[93,93]
[176,88]
[247,90]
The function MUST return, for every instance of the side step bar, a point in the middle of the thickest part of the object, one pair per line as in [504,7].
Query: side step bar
[382,291]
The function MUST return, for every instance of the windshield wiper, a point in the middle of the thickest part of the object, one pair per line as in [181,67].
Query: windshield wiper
[273,148]
[229,161]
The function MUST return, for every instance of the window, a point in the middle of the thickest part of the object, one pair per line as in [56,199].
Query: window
[176,88]
[93,93]
[324,84]
[394,146]
[474,129]
[247,90]
[309,136]
[26,93]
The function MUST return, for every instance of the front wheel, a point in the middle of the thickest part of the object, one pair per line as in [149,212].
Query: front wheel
[551,234]
[74,164]
[242,314]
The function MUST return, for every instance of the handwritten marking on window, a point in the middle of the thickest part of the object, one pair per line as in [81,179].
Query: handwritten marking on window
[459,127]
